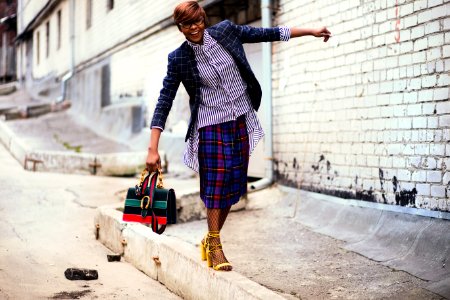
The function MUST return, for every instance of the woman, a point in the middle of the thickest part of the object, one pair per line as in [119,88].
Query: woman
[224,95]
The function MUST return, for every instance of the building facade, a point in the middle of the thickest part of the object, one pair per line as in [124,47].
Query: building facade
[8,34]
[365,116]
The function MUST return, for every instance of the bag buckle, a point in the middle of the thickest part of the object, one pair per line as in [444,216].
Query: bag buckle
[142,202]
[144,206]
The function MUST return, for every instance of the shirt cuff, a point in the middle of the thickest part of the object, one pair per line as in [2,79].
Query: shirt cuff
[285,33]
[157,127]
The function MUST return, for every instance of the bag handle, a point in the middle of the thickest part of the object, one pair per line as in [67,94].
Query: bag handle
[152,185]
[158,185]
[145,174]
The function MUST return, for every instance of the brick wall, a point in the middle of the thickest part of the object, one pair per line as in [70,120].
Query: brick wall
[366,116]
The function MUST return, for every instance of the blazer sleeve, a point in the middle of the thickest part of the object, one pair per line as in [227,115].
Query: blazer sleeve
[167,94]
[249,34]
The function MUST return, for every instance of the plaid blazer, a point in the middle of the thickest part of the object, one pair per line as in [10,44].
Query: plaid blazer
[182,67]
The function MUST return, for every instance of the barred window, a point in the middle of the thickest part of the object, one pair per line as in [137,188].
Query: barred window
[88,14]
[47,39]
[58,20]
[38,46]
[109,4]
[238,11]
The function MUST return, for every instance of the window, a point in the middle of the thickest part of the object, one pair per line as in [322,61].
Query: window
[47,37]
[105,85]
[109,4]
[237,11]
[37,47]
[88,14]
[58,20]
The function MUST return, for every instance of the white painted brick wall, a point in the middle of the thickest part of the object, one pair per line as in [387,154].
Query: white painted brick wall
[394,106]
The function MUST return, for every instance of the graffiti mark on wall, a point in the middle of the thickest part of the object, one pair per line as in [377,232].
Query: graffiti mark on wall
[404,197]
[397,23]
[383,193]
[324,170]
[316,167]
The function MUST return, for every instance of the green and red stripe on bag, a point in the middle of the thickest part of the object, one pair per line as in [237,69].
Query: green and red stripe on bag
[150,203]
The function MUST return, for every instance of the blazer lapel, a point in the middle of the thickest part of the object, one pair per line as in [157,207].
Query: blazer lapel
[192,63]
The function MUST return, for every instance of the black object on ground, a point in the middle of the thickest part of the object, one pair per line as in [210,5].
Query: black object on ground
[113,257]
[81,274]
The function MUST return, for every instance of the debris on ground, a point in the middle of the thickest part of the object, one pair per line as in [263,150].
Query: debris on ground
[71,295]
[81,274]
[113,257]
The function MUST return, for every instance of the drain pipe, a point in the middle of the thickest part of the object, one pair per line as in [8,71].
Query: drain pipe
[64,81]
[266,21]
[69,75]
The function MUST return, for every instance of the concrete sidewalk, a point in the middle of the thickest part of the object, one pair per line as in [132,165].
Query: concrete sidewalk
[296,244]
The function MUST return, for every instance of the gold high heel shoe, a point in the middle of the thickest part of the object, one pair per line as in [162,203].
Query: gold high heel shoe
[211,248]
[203,246]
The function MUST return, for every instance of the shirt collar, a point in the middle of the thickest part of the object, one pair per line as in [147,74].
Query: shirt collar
[207,42]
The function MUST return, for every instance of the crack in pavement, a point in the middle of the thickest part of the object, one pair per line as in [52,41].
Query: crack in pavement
[76,201]
[14,231]
[4,295]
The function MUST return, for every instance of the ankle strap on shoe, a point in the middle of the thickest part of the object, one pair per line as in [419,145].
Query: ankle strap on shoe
[214,234]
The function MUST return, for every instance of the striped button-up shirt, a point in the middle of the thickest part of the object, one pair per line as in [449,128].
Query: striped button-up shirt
[223,93]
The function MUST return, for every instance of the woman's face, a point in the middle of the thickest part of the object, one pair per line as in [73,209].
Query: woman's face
[193,31]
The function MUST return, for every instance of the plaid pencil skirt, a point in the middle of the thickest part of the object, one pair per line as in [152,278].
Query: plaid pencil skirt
[223,155]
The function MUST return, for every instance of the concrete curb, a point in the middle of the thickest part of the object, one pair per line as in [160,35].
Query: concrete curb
[121,163]
[172,262]
[5,134]
[8,88]
[18,149]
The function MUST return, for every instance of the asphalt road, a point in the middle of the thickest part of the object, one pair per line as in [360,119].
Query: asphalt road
[46,225]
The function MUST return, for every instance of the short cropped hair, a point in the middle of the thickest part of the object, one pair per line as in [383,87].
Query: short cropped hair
[188,11]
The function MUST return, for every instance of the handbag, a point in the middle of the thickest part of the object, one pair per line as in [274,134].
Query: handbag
[150,203]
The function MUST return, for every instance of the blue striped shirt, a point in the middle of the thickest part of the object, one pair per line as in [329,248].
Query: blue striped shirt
[223,93]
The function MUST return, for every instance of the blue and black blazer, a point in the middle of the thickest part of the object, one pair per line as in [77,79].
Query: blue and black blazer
[182,67]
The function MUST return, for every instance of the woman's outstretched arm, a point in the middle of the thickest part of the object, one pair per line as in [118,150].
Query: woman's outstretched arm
[317,32]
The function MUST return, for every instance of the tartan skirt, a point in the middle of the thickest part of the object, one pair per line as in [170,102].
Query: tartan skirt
[223,155]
